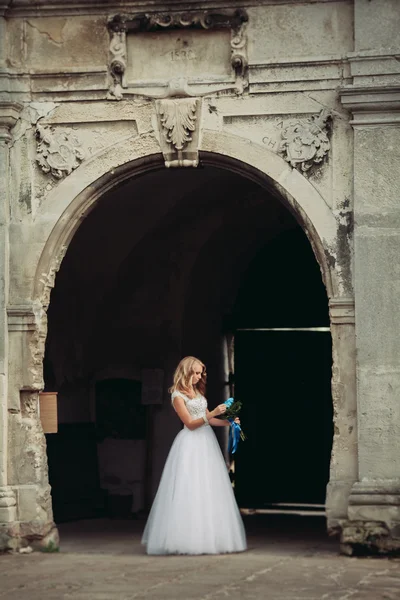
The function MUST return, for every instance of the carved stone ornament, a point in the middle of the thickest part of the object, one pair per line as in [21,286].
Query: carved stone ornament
[120,26]
[117,62]
[304,142]
[59,152]
[178,120]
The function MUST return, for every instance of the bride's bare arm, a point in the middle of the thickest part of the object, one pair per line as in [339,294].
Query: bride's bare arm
[183,414]
[217,422]
[220,422]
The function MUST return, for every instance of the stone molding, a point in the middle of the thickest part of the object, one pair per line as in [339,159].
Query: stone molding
[121,25]
[342,311]
[374,503]
[58,151]
[374,66]
[8,505]
[372,105]
[7,497]
[178,121]
[30,8]
[21,318]
[375,492]
[9,114]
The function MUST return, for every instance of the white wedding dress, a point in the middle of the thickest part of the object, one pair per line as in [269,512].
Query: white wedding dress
[194,511]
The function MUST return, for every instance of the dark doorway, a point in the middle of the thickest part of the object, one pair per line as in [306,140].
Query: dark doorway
[156,271]
[283,361]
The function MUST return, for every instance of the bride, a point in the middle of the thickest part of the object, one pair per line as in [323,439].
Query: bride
[194,511]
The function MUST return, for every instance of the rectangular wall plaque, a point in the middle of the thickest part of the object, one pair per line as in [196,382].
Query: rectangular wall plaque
[48,411]
[149,52]
[197,56]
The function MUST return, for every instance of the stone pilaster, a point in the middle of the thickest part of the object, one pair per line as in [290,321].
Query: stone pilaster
[344,466]
[374,504]
[8,116]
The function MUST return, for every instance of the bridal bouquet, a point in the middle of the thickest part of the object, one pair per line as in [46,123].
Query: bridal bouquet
[235,431]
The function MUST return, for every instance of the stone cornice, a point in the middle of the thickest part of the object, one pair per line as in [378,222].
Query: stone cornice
[9,113]
[378,67]
[376,492]
[372,105]
[341,311]
[37,8]
[21,318]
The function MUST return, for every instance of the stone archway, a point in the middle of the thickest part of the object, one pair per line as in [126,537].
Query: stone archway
[63,210]
[66,205]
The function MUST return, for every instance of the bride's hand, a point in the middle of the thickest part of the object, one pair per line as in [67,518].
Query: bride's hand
[221,408]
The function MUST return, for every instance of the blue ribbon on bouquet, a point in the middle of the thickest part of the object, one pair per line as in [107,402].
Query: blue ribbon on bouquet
[234,430]
[234,436]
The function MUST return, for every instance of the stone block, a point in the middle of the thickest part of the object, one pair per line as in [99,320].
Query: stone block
[9,537]
[376,190]
[59,43]
[367,537]
[48,543]
[26,502]
[8,505]
[337,501]
[376,24]
[283,31]
[377,288]
[8,514]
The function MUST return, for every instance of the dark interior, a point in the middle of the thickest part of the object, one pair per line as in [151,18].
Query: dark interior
[169,264]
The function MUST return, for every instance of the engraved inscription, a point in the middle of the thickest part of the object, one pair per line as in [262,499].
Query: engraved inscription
[199,55]
[179,55]
[206,49]
[273,138]
[302,140]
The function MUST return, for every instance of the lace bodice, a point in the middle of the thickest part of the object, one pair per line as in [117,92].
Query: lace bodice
[196,406]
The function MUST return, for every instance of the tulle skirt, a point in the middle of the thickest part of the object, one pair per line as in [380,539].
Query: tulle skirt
[194,511]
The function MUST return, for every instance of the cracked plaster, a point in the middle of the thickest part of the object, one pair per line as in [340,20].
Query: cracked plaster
[52,30]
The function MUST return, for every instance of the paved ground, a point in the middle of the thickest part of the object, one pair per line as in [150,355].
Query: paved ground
[289,558]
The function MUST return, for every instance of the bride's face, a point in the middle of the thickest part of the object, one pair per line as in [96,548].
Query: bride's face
[197,373]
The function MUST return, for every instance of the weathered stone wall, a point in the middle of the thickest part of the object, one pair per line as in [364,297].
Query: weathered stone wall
[276,114]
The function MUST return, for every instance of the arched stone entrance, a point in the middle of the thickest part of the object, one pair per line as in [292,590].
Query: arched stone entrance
[59,218]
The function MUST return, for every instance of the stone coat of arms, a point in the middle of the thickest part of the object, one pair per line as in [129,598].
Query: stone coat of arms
[305,141]
[59,152]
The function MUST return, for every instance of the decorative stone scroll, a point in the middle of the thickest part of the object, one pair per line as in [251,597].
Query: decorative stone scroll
[59,152]
[305,142]
[178,120]
[223,50]
[117,57]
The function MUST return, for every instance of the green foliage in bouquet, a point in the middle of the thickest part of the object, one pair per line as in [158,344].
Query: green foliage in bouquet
[233,410]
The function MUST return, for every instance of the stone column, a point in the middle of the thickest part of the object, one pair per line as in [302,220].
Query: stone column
[9,112]
[344,462]
[374,507]
[373,100]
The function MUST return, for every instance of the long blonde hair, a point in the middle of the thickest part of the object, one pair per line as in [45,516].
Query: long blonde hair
[183,375]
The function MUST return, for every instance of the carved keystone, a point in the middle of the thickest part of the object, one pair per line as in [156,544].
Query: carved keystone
[178,120]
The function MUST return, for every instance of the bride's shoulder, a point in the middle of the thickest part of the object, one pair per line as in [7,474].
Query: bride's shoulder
[176,393]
